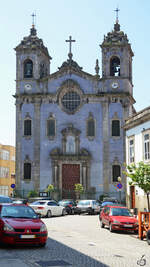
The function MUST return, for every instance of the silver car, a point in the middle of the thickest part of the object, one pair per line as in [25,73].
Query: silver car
[48,208]
[88,206]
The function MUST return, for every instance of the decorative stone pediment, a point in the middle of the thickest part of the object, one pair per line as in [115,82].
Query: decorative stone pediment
[70,130]
[71,64]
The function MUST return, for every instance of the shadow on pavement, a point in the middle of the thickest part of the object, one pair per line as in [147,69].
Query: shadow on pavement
[54,254]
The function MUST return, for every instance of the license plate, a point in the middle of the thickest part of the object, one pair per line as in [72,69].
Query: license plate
[126,225]
[27,236]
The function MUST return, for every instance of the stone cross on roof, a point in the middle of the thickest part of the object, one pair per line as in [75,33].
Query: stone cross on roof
[117,10]
[70,41]
[33,19]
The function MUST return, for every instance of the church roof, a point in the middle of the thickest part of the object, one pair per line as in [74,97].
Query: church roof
[32,42]
[116,38]
[71,64]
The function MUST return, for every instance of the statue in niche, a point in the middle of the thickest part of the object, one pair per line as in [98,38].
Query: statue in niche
[70,145]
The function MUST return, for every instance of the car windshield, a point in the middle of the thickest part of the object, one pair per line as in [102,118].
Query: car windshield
[18,212]
[82,203]
[5,199]
[120,212]
[38,203]
[107,203]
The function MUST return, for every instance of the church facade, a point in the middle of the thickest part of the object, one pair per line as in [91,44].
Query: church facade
[69,124]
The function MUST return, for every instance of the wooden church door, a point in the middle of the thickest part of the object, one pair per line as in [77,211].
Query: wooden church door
[70,177]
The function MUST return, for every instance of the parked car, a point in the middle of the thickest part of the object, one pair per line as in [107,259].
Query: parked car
[5,199]
[48,208]
[88,206]
[20,201]
[105,203]
[19,224]
[70,205]
[118,218]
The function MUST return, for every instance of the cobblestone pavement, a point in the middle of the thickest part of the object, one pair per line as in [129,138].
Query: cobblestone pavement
[78,241]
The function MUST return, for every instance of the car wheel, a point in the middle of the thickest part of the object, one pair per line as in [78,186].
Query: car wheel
[110,227]
[49,214]
[63,212]
[148,237]
[91,212]
[42,245]
[102,224]
[72,211]
[69,210]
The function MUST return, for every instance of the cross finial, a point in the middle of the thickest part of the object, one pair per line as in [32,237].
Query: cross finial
[70,41]
[117,10]
[33,19]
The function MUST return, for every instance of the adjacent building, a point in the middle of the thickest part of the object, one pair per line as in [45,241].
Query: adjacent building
[7,169]
[137,149]
[69,124]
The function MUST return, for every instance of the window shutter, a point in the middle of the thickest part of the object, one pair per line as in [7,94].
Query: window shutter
[27,127]
[27,170]
[115,128]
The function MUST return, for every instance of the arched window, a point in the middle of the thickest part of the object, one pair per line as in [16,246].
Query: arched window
[27,127]
[115,128]
[116,172]
[28,69]
[115,66]
[27,170]
[51,127]
[90,126]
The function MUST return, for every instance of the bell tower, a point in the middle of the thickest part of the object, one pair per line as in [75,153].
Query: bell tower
[32,63]
[117,60]
[32,74]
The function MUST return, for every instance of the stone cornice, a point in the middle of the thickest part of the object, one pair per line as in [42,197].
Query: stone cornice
[71,70]
[139,118]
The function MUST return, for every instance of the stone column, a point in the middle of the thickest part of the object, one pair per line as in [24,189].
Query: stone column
[84,176]
[19,167]
[36,138]
[55,175]
[106,165]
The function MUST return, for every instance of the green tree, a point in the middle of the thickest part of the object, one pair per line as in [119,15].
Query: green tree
[32,193]
[78,189]
[140,176]
[49,189]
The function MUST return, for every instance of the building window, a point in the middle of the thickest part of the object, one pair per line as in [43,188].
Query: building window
[146,147]
[131,150]
[27,127]
[51,127]
[4,172]
[115,66]
[115,128]
[27,171]
[90,126]
[116,173]
[4,154]
[71,101]
[28,69]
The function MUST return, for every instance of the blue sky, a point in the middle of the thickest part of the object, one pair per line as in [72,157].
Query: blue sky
[87,21]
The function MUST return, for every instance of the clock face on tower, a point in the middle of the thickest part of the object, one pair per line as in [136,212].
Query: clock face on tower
[114,85]
[28,87]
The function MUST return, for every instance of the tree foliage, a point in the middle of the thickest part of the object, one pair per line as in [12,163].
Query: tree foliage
[50,188]
[140,176]
[79,188]
[32,193]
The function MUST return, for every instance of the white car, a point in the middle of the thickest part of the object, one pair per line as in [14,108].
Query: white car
[48,208]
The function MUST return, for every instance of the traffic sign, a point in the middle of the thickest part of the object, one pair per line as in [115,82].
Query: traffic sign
[12,185]
[119,186]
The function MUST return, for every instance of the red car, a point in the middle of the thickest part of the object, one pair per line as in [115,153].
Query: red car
[118,218]
[19,224]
